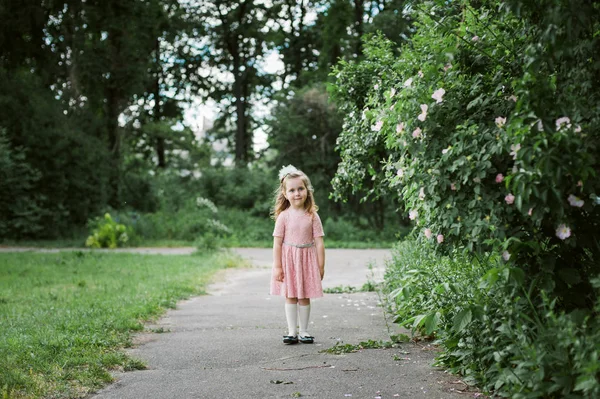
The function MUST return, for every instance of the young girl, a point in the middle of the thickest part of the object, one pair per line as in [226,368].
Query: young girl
[298,251]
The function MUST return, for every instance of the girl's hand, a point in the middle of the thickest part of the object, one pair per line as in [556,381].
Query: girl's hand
[322,273]
[279,274]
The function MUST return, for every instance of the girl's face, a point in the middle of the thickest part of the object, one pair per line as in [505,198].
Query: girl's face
[295,192]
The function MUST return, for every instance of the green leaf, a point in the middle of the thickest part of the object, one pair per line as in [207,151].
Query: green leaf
[462,319]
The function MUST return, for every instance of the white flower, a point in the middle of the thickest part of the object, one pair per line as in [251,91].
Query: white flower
[286,170]
[392,92]
[575,201]
[513,98]
[445,150]
[475,39]
[412,215]
[577,129]
[377,126]
[563,121]
[428,233]
[515,149]
[506,255]
[420,73]
[408,82]
[422,194]
[376,87]
[400,172]
[400,127]
[563,232]
[540,126]
[438,94]
[423,114]
[500,121]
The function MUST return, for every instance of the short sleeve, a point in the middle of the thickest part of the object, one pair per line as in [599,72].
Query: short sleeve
[317,226]
[279,226]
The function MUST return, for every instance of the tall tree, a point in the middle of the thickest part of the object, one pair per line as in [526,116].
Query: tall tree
[237,39]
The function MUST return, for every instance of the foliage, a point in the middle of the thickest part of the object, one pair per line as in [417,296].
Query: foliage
[489,327]
[17,179]
[485,131]
[66,317]
[472,167]
[107,233]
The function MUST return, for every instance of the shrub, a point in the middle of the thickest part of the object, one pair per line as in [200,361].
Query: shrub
[107,233]
[489,328]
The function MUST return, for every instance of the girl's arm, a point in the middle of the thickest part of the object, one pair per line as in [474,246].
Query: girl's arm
[277,243]
[320,246]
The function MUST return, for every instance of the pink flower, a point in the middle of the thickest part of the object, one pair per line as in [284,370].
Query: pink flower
[408,82]
[400,173]
[513,98]
[438,94]
[440,238]
[577,129]
[413,214]
[422,194]
[563,121]
[416,133]
[452,187]
[500,121]
[423,114]
[428,233]
[377,126]
[530,211]
[509,199]
[575,201]
[515,148]
[475,39]
[447,66]
[499,178]
[376,87]
[506,255]
[563,232]
[400,127]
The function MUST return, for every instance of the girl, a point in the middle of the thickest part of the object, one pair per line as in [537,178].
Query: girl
[298,251]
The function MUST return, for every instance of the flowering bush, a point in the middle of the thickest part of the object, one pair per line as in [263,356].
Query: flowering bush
[485,128]
[489,144]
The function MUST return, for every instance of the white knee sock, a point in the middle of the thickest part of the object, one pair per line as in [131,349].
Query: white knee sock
[304,317]
[291,314]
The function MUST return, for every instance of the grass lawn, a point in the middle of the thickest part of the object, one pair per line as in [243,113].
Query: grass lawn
[64,317]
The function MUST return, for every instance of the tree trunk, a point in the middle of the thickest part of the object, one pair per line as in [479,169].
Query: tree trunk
[160,141]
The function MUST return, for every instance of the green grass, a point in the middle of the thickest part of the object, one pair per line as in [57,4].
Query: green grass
[65,317]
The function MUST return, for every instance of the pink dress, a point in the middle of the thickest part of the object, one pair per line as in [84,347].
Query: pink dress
[302,278]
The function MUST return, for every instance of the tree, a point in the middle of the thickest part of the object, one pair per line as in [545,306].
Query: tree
[237,38]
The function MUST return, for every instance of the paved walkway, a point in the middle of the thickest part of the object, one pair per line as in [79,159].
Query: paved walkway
[228,344]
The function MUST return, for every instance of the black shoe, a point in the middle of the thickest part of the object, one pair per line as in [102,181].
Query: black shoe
[290,339]
[306,339]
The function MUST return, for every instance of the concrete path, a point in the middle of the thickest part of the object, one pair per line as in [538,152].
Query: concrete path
[228,344]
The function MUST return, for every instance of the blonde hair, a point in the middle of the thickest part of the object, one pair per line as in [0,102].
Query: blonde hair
[281,203]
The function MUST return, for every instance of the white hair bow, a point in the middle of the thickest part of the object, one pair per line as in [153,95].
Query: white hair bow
[286,170]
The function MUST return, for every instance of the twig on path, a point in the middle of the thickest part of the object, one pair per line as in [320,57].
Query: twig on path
[299,368]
